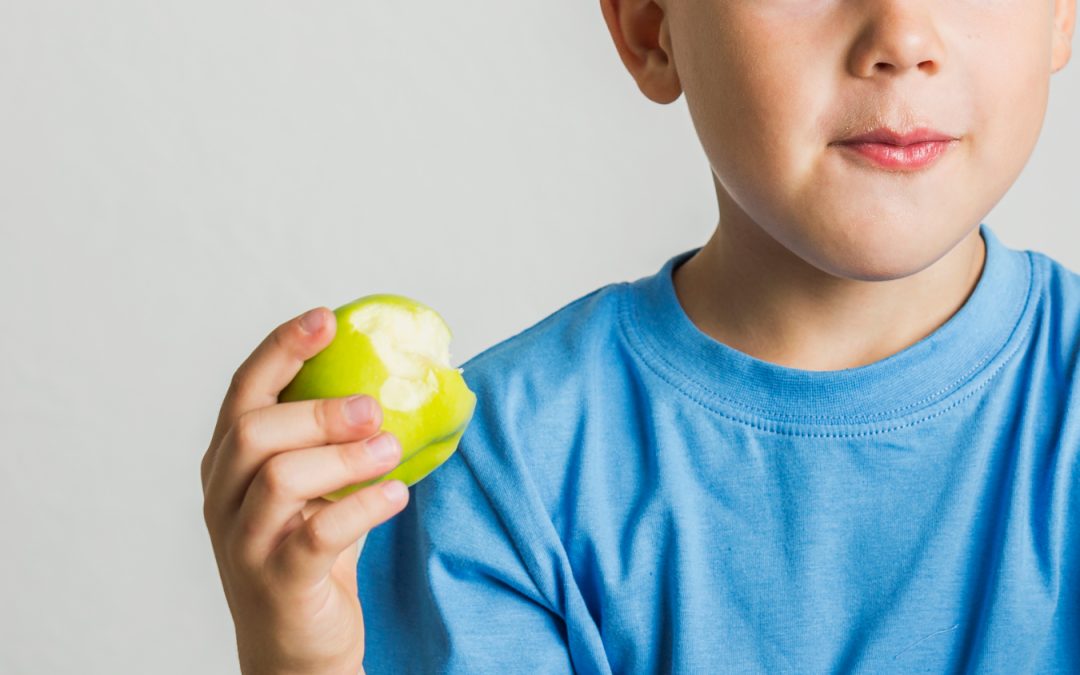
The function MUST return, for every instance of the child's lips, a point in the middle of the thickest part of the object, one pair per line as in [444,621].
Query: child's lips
[909,157]
[895,137]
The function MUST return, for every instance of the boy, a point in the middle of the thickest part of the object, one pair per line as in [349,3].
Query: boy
[842,436]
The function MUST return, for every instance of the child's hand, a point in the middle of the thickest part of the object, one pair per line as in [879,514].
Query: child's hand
[287,558]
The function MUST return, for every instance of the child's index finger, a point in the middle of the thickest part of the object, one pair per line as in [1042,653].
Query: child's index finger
[273,364]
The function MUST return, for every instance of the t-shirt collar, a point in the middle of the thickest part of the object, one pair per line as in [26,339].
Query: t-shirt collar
[902,385]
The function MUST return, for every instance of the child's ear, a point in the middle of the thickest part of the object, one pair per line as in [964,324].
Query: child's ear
[641,32]
[1064,24]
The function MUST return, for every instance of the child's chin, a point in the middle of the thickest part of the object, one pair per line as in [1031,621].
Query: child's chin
[875,257]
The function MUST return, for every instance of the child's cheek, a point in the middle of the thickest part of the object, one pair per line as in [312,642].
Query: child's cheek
[790,9]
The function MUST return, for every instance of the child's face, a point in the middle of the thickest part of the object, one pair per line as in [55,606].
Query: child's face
[771,85]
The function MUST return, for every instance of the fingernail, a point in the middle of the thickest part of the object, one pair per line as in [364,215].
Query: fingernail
[382,447]
[359,409]
[394,490]
[312,321]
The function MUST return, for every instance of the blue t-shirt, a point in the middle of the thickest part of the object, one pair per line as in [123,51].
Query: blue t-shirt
[633,496]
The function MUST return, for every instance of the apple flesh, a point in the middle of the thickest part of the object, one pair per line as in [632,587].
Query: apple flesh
[396,350]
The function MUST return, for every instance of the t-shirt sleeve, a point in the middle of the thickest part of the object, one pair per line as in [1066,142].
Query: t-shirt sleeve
[444,588]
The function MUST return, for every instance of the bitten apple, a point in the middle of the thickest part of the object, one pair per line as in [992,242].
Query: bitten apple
[397,350]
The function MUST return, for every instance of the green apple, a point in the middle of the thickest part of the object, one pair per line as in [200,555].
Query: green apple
[396,350]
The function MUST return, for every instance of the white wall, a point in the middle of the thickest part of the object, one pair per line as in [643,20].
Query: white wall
[180,177]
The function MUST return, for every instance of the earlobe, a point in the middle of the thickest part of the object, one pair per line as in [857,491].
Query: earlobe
[640,32]
[1064,25]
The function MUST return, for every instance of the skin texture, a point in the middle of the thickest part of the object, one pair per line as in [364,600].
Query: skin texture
[819,261]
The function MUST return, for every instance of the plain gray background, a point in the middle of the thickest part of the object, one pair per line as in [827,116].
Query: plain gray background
[180,177]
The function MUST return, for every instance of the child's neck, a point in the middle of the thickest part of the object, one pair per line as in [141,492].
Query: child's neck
[746,290]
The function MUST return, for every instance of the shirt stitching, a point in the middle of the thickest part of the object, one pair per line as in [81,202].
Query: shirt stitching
[783,418]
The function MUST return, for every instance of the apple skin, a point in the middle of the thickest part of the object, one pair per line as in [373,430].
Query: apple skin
[396,350]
